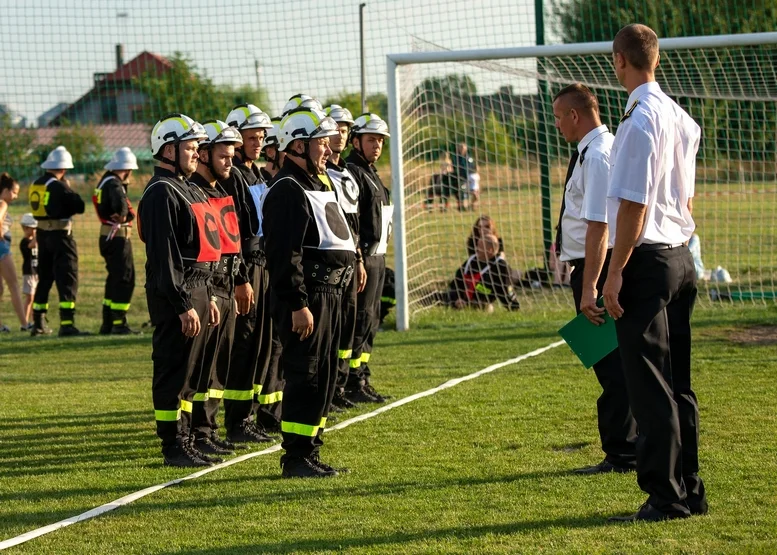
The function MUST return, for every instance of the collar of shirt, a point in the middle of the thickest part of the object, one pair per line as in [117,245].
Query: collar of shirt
[355,157]
[303,177]
[590,136]
[164,172]
[650,86]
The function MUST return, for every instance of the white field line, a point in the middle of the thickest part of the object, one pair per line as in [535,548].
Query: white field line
[127,499]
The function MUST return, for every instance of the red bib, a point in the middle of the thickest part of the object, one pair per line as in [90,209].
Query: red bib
[470,283]
[229,228]
[208,230]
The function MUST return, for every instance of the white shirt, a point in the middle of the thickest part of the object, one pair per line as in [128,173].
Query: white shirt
[585,196]
[654,163]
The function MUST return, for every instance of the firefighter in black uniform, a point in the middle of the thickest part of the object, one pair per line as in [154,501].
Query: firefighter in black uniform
[116,214]
[180,231]
[348,196]
[375,213]
[53,203]
[228,289]
[310,254]
[253,330]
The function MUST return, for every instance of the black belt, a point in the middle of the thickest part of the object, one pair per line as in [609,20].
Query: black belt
[318,272]
[252,244]
[228,265]
[649,247]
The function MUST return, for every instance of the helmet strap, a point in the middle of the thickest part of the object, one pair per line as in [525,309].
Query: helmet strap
[312,169]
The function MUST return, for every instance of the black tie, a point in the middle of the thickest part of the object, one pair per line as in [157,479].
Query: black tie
[570,169]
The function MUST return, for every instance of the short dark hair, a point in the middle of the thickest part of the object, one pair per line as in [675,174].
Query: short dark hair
[638,44]
[580,98]
[6,181]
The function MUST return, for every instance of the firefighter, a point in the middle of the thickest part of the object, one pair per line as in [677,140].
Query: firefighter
[53,203]
[272,156]
[116,214]
[310,254]
[348,197]
[375,213]
[180,231]
[253,330]
[215,380]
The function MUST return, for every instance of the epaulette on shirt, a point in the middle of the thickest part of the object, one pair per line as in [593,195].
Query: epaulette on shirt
[629,111]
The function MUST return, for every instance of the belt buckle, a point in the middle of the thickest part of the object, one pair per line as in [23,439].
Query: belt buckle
[235,265]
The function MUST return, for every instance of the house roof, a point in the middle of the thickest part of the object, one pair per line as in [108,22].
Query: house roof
[138,65]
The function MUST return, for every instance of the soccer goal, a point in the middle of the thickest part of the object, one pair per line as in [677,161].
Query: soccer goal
[497,102]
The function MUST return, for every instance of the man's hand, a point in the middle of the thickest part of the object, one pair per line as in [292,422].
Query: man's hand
[116,218]
[589,308]
[361,276]
[610,291]
[190,323]
[215,316]
[302,323]
[244,296]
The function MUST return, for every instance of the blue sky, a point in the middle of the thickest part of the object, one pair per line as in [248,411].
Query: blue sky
[50,49]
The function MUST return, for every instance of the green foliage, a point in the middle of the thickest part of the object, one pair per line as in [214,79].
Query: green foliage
[443,91]
[376,103]
[82,141]
[16,147]
[183,89]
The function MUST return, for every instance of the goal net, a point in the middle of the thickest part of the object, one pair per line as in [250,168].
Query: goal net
[498,104]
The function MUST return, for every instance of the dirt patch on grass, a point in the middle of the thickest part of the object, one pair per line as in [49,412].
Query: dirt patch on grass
[755,335]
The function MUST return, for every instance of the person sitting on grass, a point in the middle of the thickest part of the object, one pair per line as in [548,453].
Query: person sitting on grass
[483,278]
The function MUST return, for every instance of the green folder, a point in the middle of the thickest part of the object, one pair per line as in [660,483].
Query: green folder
[589,342]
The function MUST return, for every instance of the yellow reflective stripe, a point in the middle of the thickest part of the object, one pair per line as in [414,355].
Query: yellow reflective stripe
[216,393]
[201,397]
[271,398]
[118,322]
[324,178]
[323,422]
[365,357]
[99,194]
[40,306]
[483,289]
[46,196]
[355,362]
[238,394]
[167,415]
[344,353]
[186,406]
[106,302]
[120,306]
[66,322]
[67,304]
[389,300]
[299,429]
[257,388]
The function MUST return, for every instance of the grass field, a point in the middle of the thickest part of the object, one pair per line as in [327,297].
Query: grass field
[479,468]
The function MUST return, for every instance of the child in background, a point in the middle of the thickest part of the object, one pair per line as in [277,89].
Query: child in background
[473,182]
[29,248]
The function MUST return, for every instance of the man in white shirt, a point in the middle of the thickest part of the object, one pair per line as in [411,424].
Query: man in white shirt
[585,242]
[651,282]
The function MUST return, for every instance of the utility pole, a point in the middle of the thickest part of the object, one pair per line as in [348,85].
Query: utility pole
[361,45]
[258,70]
[542,136]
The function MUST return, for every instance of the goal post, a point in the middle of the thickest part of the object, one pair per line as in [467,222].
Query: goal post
[728,83]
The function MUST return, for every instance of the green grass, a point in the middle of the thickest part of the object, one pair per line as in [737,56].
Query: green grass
[479,468]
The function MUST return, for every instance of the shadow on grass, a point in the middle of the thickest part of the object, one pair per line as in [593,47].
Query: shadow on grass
[40,345]
[399,538]
[59,421]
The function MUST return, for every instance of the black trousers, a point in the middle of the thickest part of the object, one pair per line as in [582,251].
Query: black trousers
[175,357]
[617,427]
[367,319]
[269,384]
[57,263]
[206,387]
[654,337]
[120,283]
[310,371]
[250,352]
[345,349]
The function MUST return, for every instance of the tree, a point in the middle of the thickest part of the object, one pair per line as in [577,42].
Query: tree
[83,142]
[182,89]
[376,103]
[438,91]
[16,145]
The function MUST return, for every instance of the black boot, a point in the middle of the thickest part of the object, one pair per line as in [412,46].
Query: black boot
[67,328]
[247,432]
[119,323]
[181,454]
[105,328]
[39,325]
[302,467]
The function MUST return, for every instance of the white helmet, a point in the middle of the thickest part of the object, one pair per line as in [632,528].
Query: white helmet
[305,124]
[123,159]
[28,220]
[174,128]
[58,159]
[339,114]
[220,132]
[248,116]
[301,101]
[370,123]
[271,138]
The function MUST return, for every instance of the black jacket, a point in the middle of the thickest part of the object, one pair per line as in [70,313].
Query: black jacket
[166,224]
[483,282]
[292,237]
[63,202]
[373,195]
[112,199]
